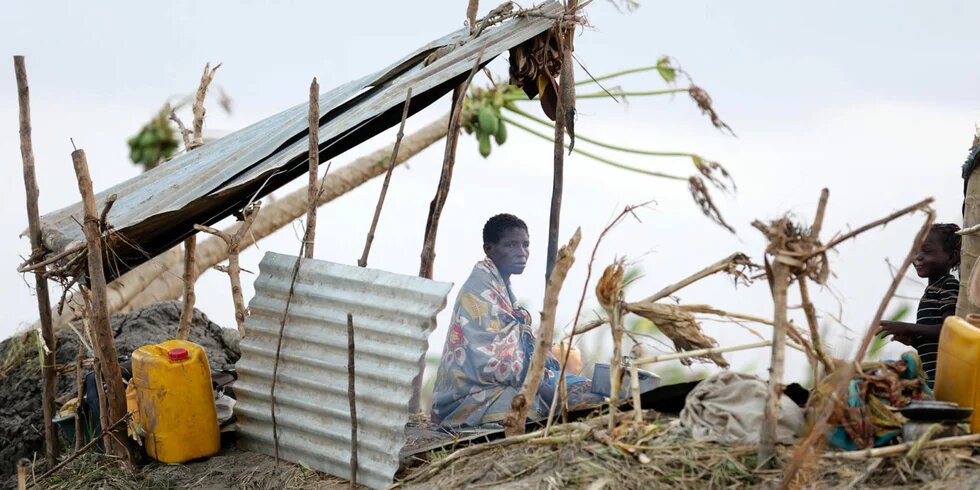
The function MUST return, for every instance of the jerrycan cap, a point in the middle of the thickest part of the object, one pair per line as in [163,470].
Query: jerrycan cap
[177,354]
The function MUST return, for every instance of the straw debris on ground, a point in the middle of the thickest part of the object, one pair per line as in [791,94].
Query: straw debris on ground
[655,454]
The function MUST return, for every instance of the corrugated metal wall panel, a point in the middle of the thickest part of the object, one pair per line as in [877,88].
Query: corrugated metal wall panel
[393,317]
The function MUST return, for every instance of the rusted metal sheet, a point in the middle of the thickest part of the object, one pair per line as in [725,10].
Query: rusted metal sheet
[393,317]
[157,209]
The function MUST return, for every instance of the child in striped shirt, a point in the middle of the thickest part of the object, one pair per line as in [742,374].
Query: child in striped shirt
[938,256]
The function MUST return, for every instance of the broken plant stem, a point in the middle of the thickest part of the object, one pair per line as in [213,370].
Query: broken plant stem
[362,262]
[198,108]
[902,449]
[635,386]
[50,260]
[734,260]
[817,430]
[811,320]
[522,402]
[578,311]
[701,352]
[767,437]
[314,158]
[919,206]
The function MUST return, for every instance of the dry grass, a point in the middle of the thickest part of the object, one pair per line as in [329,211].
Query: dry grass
[651,455]
[233,469]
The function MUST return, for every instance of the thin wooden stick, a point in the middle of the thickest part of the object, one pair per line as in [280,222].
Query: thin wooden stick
[564,119]
[314,156]
[901,449]
[54,258]
[969,230]
[352,401]
[49,377]
[521,404]
[79,393]
[891,217]
[635,386]
[446,176]
[720,266]
[767,437]
[105,348]
[585,287]
[362,262]
[700,352]
[190,277]
[809,443]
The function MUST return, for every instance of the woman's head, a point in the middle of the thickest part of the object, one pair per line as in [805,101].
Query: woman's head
[940,252]
[506,243]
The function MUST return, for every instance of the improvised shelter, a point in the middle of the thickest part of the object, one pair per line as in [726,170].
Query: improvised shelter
[156,210]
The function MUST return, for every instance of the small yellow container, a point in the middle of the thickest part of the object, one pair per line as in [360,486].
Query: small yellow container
[176,405]
[958,366]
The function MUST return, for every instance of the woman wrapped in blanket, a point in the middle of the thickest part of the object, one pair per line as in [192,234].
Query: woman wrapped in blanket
[490,342]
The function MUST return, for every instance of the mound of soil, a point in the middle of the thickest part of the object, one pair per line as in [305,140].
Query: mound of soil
[21,422]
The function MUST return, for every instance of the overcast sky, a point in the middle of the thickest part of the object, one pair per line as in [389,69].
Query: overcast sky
[876,100]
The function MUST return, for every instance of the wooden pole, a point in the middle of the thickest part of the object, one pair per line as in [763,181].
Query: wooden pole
[770,420]
[190,277]
[79,393]
[314,157]
[564,116]
[362,262]
[49,374]
[521,404]
[105,348]
[352,401]
[446,176]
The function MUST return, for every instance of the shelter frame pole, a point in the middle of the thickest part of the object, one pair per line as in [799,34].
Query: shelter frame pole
[105,347]
[49,372]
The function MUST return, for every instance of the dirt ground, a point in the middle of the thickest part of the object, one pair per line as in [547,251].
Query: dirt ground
[21,425]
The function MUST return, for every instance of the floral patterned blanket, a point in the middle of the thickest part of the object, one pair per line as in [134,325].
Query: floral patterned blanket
[486,355]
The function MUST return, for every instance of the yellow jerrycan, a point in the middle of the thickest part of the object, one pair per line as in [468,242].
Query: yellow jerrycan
[175,403]
[958,366]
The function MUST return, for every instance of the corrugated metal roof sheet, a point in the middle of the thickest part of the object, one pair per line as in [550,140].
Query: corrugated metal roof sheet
[157,209]
[393,317]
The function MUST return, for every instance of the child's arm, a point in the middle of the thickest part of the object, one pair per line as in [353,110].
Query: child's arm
[904,329]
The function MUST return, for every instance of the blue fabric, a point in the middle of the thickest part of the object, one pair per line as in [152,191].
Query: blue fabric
[486,355]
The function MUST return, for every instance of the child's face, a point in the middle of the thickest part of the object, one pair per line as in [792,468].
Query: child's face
[933,260]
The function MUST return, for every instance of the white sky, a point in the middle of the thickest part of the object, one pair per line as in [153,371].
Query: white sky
[875,100]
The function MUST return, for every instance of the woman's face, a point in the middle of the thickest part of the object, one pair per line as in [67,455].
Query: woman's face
[510,253]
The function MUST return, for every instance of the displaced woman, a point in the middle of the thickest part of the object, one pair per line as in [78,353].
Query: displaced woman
[490,342]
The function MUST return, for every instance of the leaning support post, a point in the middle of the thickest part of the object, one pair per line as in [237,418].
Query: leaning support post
[767,438]
[105,348]
[314,157]
[446,176]
[49,373]
[362,262]
[234,269]
[521,404]
[564,119]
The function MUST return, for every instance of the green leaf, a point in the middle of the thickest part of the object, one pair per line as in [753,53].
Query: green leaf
[900,313]
[667,72]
